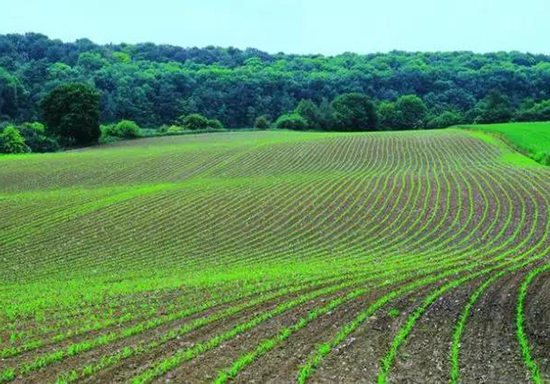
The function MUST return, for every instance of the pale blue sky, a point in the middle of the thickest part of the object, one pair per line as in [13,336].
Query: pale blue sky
[293,26]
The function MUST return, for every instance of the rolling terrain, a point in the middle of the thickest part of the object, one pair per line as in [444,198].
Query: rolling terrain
[277,257]
[531,139]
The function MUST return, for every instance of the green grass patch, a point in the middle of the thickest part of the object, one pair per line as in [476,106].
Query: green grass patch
[531,139]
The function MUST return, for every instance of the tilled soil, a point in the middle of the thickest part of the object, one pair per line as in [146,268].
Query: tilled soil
[52,372]
[357,359]
[537,322]
[489,350]
[366,201]
[134,365]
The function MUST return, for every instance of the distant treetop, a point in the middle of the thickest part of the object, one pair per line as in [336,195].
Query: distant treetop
[154,84]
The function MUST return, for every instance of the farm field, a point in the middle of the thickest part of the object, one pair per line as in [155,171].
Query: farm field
[277,257]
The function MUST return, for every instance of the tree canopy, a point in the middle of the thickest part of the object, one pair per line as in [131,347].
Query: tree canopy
[354,112]
[292,121]
[11,141]
[154,84]
[71,113]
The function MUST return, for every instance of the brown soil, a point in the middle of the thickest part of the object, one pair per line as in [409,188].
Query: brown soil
[489,350]
[537,322]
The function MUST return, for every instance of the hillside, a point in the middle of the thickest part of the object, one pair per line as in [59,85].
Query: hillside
[418,256]
[531,139]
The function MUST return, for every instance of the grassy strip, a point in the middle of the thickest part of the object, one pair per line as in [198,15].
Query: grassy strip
[531,139]
[520,324]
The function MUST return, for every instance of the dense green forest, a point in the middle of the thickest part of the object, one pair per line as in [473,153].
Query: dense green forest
[155,84]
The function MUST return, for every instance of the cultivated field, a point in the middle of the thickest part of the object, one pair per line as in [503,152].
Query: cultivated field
[278,257]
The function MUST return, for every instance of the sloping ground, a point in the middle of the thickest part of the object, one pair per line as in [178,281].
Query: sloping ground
[276,257]
[531,139]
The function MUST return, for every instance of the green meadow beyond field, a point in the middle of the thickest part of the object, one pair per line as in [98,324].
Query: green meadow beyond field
[275,256]
[531,139]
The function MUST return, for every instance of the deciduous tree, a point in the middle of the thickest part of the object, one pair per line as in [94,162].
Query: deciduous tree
[354,112]
[71,113]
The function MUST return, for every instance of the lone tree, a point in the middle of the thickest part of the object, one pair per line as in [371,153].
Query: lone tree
[354,112]
[71,113]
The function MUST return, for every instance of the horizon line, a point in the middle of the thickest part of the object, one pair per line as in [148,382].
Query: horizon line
[111,43]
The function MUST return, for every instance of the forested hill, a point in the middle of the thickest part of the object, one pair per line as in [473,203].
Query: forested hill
[154,84]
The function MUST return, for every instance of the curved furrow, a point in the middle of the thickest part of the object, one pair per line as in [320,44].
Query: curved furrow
[179,305]
[339,223]
[543,244]
[526,349]
[167,342]
[287,224]
[360,222]
[392,355]
[293,251]
[404,332]
[294,229]
[361,240]
[23,369]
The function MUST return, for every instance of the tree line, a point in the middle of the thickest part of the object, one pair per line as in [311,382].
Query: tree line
[154,85]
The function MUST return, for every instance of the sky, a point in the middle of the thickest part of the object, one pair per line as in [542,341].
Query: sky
[293,26]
